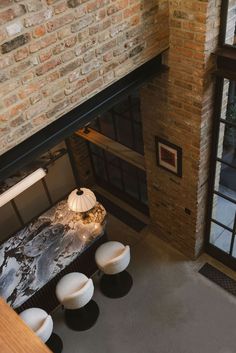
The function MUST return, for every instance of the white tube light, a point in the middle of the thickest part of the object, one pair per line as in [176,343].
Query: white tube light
[24,184]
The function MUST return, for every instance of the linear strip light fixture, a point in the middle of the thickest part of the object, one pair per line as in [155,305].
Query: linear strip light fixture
[24,184]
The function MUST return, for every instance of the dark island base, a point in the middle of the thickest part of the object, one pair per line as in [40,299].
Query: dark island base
[46,298]
[84,318]
[116,286]
[54,343]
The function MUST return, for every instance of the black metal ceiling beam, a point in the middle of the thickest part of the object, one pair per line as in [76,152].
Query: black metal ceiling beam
[32,147]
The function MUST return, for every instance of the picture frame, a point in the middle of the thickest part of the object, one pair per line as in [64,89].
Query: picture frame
[169,156]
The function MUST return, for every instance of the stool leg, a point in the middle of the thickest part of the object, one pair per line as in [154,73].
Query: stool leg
[116,286]
[84,318]
[54,343]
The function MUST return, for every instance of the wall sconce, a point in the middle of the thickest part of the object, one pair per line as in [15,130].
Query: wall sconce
[81,200]
[21,186]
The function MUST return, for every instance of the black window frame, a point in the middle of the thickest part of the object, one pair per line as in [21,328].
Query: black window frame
[121,193]
[123,115]
[225,69]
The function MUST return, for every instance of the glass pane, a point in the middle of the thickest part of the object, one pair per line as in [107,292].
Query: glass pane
[225,180]
[95,149]
[130,179]
[122,106]
[143,186]
[128,168]
[223,211]
[131,185]
[228,105]
[107,127]
[115,176]
[227,144]
[124,131]
[231,21]
[112,159]
[99,167]
[234,248]
[220,237]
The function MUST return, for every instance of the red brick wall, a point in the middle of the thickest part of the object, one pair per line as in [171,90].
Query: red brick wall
[178,106]
[57,53]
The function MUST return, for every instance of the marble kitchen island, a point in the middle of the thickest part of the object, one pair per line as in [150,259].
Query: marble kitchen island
[32,261]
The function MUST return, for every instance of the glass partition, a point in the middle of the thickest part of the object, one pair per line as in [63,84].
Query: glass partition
[223,220]
[228,22]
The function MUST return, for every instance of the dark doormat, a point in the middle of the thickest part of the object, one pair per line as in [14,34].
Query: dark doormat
[219,278]
[121,214]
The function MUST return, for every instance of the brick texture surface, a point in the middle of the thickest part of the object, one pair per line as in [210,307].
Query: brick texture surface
[55,54]
[178,106]
[58,53]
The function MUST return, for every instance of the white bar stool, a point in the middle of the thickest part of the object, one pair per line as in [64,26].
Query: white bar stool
[75,291]
[41,323]
[113,258]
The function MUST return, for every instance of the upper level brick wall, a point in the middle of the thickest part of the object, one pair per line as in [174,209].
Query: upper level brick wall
[57,53]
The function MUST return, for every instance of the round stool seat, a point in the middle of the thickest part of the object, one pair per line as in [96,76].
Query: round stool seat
[74,290]
[42,325]
[112,257]
[39,321]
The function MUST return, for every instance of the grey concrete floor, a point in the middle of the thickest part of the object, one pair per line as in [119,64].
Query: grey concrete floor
[170,308]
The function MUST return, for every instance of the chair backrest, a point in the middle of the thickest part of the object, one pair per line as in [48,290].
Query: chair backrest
[118,263]
[39,321]
[125,252]
[80,297]
[46,326]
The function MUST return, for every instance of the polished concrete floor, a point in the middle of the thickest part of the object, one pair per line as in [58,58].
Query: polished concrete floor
[171,308]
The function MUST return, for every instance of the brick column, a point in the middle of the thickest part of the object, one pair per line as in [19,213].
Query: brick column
[178,106]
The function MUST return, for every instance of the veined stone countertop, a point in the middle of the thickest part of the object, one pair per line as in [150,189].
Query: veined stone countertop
[38,252]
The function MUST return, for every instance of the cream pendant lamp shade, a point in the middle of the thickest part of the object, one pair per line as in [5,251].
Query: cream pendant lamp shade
[81,200]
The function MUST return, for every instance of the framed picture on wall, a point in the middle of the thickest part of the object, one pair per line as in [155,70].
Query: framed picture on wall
[169,156]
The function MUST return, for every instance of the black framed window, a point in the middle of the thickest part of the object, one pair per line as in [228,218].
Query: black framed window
[119,177]
[123,123]
[222,221]
[221,217]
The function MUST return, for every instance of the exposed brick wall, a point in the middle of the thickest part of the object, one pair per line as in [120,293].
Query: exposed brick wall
[57,53]
[178,106]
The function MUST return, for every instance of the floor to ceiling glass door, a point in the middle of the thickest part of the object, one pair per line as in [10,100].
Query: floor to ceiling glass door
[222,228]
